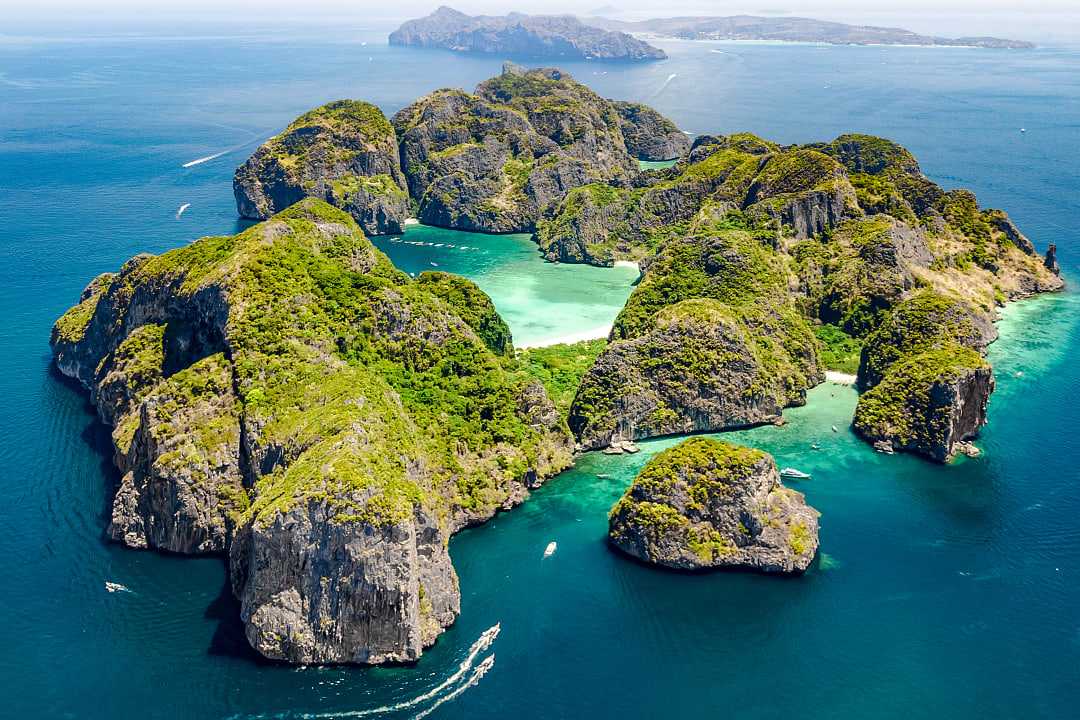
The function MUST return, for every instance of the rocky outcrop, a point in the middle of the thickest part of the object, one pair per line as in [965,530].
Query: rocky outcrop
[648,134]
[1050,262]
[182,476]
[344,152]
[803,190]
[493,161]
[707,341]
[708,504]
[926,385]
[865,268]
[539,36]
[316,590]
[599,224]
[929,403]
[700,369]
[926,320]
[473,306]
[286,396]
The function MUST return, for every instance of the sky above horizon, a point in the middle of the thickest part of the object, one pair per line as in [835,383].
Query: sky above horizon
[1051,19]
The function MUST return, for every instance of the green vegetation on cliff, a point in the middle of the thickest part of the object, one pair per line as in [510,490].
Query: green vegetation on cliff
[381,392]
[904,408]
[924,321]
[706,503]
[561,367]
[710,338]
[344,152]
[709,467]
[473,306]
[717,261]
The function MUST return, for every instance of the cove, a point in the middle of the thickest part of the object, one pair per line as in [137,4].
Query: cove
[543,303]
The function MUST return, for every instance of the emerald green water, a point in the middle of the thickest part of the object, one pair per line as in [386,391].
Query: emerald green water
[655,164]
[542,302]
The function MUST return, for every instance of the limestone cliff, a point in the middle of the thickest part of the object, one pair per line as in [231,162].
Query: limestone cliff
[929,403]
[648,134]
[709,504]
[492,161]
[344,152]
[926,384]
[599,224]
[847,235]
[286,396]
[709,339]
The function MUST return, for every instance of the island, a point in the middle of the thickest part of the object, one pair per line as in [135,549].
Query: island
[286,398]
[538,36]
[706,504]
[790,29]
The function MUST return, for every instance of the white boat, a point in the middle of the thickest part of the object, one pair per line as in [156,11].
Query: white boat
[183,207]
[116,587]
[794,474]
[550,549]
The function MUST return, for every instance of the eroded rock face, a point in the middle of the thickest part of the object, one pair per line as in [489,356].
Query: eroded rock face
[709,504]
[927,320]
[182,474]
[929,403]
[697,371]
[599,224]
[287,396]
[316,590]
[494,160]
[648,134]
[344,152]
[709,339]
[803,190]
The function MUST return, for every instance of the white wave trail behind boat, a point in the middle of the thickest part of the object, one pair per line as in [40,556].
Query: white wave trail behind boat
[208,158]
[480,671]
[667,82]
[199,161]
[482,643]
[183,207]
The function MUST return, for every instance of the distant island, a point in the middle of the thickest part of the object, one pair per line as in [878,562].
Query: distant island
[540,36]
[791,29]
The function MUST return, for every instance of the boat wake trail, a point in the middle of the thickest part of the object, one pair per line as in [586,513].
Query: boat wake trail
[226,151]
[436,693]
[667,82]
[208,158]
[480,671]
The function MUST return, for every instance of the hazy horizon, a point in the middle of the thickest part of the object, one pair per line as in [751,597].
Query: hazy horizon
[1053,20]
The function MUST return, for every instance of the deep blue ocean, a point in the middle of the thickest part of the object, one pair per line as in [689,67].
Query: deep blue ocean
[942,592]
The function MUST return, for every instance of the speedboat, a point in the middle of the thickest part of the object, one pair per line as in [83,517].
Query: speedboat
[794,474]
[550,549]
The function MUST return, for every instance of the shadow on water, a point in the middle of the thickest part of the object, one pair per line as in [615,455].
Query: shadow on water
[229,639]
[98,437]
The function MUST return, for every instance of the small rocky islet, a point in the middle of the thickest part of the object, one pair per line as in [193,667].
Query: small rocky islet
[706,504]
[285,397]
